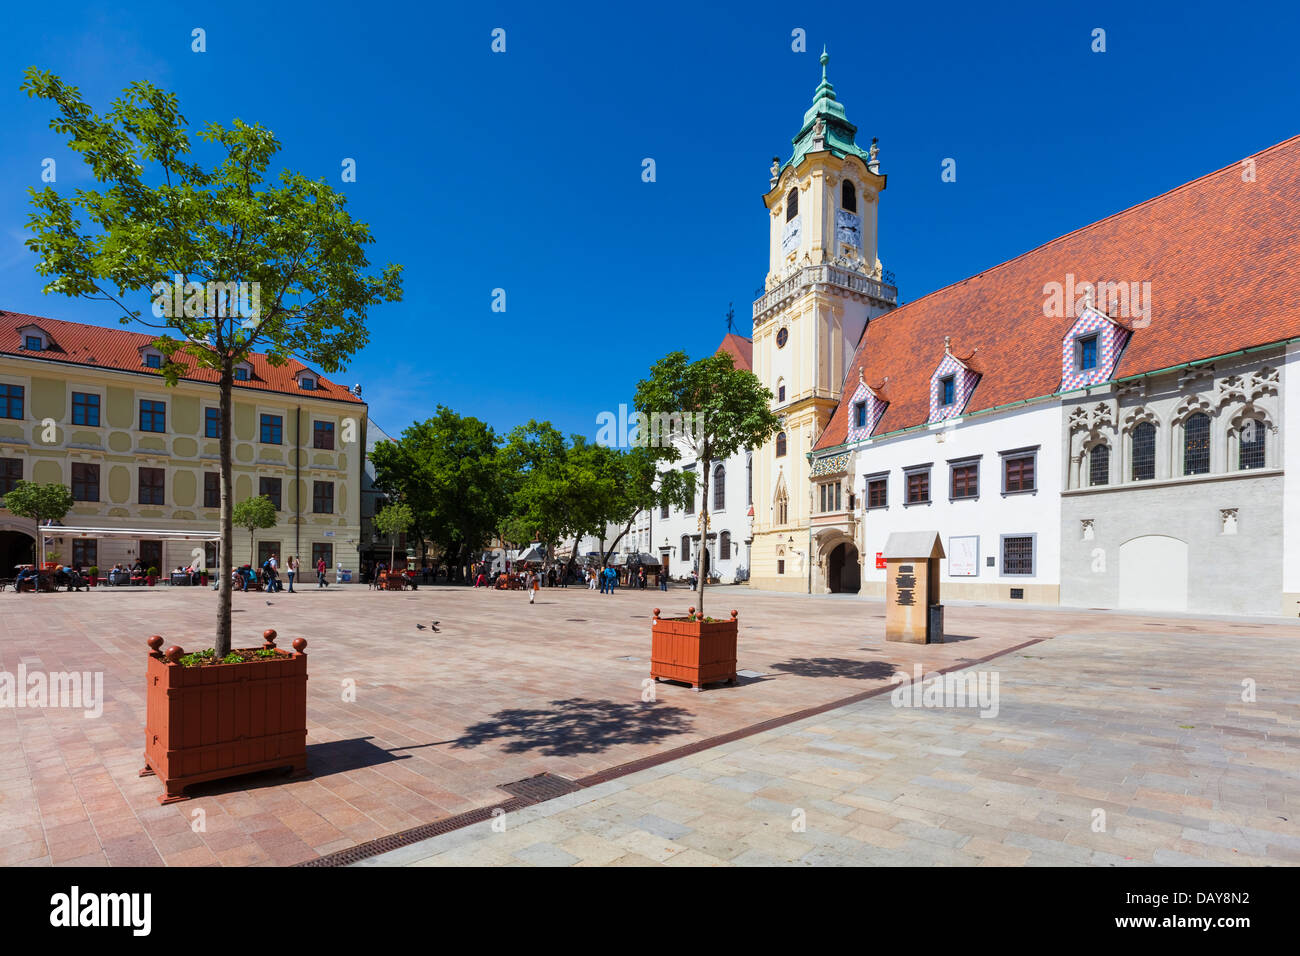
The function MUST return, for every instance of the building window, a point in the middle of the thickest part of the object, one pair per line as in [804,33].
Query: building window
[323,435]
[212,422]
[780,444]
[719,488]
[780,565]
[1196,445]
[241,373]
[152,482]
[85,409]
[85,482]
[152,360]
[832,499]
[11,472]
[860,415]
[307,383]
[85,553]
[272,430]
[211,489]
[782,508]
[948,388]
[792,204]
[849,197]
[966,480]
[724,546]
[271,488]
[153,416]
[877,492]
[1018,555]
[11,401]
[1252,447]
[689,476]
[33,343]
[663,510]
[918,487]
[1144,452]
[1018,473]
[1087,358]
[685,552]
[1099,465]
[321,551]
[322,497]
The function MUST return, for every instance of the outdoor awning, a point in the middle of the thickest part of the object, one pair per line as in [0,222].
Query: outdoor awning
[73,531]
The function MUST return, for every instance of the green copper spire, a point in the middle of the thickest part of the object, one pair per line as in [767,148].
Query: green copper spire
[825,125]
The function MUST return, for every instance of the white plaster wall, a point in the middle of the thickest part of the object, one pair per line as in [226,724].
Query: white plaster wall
[1290,389]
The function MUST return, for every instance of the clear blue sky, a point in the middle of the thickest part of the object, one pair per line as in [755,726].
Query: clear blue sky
[522,170]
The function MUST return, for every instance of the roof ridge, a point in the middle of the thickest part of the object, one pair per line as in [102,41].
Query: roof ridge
[1115,215]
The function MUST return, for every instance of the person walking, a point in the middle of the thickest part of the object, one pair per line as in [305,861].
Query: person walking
[663,579]
[320,574]
[291,570]
[534,582]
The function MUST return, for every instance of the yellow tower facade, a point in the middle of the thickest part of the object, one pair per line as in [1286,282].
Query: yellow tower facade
[824,284]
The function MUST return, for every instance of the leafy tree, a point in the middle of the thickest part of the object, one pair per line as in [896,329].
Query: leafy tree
[40,502]
[448,470]
[730,409]
[252,513]
[395,518]
[160,217]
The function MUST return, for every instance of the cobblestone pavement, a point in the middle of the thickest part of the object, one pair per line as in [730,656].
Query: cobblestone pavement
[1119,749]
[505,690]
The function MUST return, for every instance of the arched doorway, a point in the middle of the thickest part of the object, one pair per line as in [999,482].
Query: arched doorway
[843,575]
[16,547]
[1153,573]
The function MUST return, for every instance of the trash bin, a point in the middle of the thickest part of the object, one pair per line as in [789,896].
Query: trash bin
[934,627]
[344,577]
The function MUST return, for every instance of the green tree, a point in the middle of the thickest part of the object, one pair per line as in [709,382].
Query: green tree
[157,217]
[253,514]
[729,409]
[40,502]
[448,470]
[394,519]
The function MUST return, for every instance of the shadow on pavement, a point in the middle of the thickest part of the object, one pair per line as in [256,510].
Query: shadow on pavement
[577,726]
[836,667]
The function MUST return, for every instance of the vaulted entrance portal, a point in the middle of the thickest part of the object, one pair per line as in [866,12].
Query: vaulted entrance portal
[843,571]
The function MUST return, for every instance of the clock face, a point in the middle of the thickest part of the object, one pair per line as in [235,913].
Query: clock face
[848,228]
[790,237]
[781,337]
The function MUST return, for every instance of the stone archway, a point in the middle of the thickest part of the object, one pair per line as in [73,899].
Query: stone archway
[16,547]
[843,572]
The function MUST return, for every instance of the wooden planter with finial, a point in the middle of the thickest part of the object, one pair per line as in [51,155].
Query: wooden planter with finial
[212,721]
[693,650]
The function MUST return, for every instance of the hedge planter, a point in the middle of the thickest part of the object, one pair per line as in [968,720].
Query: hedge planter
[207,720]
[693,650]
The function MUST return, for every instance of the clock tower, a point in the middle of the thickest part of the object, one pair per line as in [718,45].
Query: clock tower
[824,284]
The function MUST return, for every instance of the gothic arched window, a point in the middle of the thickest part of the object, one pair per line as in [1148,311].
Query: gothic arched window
[724,546]
[719,488]
[792,204]
[1144,452]
[1196,444]
[686,547]
[1099,465]
[782,507]
[849,197]
[780,444]
[1251,448]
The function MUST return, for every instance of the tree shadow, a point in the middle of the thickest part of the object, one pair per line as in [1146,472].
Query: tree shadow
[340,756]
[836,667]
[577,726]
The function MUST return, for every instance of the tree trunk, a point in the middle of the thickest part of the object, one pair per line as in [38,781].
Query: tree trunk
[222,644]
[704,529]
[613,544]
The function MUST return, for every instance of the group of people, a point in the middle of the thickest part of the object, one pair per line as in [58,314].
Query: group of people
[607,579]
[29,576]
[268,575]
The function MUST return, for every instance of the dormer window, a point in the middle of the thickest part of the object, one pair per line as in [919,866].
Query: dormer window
[849,197]
[949,389]
[242,371]
[33,343]
[792,204]
[307,381]
[1087,357]
[860,415]
[34,338]
[152,359]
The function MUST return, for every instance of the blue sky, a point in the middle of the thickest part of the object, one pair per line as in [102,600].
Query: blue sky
[522,170]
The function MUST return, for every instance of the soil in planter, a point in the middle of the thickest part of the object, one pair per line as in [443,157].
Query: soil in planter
[240,655]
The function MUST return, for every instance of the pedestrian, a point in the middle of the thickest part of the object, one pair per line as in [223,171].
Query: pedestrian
[291,569]
[320,573]
[534,582]
[663,579]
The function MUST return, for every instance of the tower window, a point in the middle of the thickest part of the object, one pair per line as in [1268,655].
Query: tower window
[849,197]
[792,204]
[780,444]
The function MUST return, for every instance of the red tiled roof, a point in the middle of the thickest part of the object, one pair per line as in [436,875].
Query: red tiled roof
[99,347]
[741,349]
[1220,254]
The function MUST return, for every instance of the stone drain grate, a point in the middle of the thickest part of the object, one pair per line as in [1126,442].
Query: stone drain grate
[544,786]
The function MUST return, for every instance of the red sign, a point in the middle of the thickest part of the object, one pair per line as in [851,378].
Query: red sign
[880,560]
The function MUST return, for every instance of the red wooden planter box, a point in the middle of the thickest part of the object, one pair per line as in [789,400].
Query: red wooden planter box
[208,722]
[694,651]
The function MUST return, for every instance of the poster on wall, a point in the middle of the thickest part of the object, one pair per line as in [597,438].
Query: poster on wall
[964,556]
